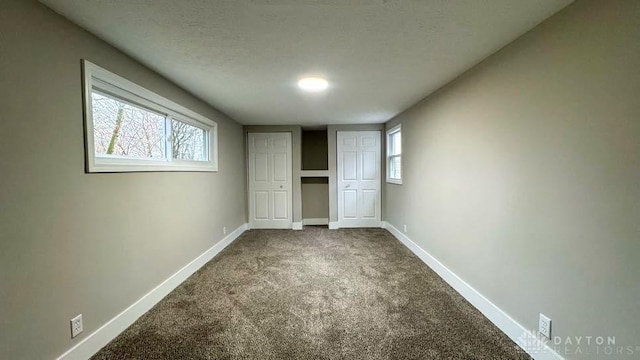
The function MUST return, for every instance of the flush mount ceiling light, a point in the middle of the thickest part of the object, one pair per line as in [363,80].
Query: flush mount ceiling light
[313,84]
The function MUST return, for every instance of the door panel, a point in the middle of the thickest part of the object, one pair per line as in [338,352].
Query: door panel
[349,141]
[280,144]
[369,204]
[369,165]
[350,165]
[350,204]
[368,141]
[261,205]
[280,205]
[261,143]
[280,166]
[270,180]
[359,178]
[261,167]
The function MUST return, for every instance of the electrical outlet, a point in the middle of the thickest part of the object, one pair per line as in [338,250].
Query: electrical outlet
[224,230]
[544,326]
[76,326]
[404,227]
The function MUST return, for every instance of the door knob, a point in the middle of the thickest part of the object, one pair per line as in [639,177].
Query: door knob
[280,186]
[348,186]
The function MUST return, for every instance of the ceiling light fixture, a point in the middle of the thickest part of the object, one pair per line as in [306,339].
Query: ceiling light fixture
[313,84]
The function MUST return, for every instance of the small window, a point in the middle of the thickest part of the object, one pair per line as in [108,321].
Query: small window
[394,155]
[129,128]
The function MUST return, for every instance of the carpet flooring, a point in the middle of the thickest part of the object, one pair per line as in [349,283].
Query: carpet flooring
[313,294]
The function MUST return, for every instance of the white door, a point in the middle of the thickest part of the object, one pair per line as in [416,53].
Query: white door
[359,174]
[270,175]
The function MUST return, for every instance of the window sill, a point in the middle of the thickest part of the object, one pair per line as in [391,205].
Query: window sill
[394,181]
[151,166]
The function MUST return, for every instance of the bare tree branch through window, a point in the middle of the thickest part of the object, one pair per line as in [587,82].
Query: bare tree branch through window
[125,130]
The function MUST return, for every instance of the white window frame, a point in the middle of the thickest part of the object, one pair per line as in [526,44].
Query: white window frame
[104,81]
[389,133]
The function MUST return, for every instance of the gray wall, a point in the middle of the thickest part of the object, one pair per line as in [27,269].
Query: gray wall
[315,198]
[314,150]
[72,242]
[523,175]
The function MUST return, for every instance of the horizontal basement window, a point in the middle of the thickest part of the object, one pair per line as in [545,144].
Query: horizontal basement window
[129,128]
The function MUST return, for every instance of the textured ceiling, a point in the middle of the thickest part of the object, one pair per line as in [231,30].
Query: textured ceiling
[244,56]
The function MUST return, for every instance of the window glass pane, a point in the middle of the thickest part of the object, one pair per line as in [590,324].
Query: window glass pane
[395,164]
[188,142]
[396,143]
[390,145]
[122,129]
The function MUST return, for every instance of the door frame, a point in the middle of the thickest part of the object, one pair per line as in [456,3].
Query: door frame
[250,200]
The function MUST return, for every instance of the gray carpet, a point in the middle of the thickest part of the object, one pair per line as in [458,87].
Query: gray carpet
[313,294]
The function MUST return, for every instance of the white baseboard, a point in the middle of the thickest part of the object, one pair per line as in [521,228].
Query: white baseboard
[107,332]
[296,226]
[333,225]
[533,345]
[315,221]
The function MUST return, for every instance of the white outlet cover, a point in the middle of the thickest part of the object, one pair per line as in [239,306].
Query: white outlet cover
[76,326]
[544,326]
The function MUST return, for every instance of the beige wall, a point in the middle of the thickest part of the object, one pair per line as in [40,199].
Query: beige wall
[315,198]
[523,175]
[315,150]
[72,242]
